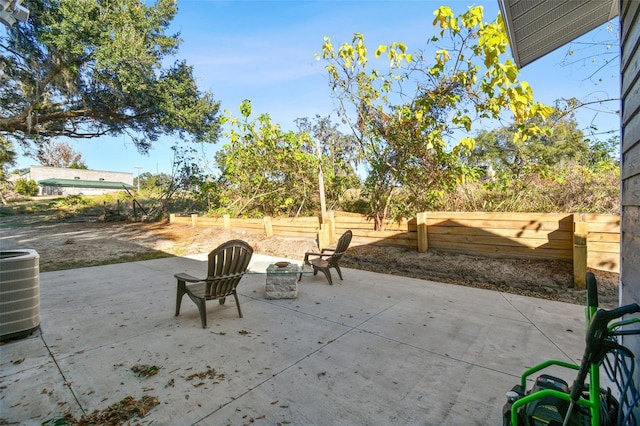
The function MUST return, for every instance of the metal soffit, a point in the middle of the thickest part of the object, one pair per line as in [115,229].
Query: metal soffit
[538,27]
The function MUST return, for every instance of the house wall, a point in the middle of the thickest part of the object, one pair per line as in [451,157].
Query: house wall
[630,152]
[67,190]
[38,173]
[630,165]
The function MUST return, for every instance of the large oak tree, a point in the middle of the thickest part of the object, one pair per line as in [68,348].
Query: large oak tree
[87,68]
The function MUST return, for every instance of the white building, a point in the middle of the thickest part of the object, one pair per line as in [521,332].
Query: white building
[66,181]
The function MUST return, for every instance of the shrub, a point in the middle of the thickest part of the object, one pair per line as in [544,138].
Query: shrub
[26,187]
[569,189]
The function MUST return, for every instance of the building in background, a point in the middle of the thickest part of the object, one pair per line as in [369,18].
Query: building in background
[66,181]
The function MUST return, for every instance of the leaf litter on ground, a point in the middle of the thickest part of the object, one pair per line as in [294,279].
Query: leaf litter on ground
[115,415]
[210,373]
[144,370]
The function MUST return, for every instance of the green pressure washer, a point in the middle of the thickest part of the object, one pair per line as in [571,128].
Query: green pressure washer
[551,401]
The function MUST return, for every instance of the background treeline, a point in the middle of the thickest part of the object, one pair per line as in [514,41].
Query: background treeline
[266,171]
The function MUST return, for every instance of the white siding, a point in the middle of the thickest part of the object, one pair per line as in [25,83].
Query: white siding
[630,173]
[39,173]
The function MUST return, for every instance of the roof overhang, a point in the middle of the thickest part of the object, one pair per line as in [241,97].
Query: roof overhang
[537,27]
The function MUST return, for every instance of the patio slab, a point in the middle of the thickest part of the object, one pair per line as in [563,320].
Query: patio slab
[373,349]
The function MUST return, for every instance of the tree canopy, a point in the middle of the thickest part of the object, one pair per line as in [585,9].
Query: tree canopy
[412,117]
[59,154]
[338,155]
[563,143]
[264,168]
[7,159]
[83,69]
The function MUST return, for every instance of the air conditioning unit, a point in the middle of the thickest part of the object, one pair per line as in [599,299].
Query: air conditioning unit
[7,19]
[12,10]
[19,293]
[20,13]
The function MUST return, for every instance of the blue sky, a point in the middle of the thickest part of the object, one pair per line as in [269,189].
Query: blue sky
[264,51]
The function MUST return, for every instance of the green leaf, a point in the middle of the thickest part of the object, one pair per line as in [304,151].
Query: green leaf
[245,108]
[380,50]
[468,143]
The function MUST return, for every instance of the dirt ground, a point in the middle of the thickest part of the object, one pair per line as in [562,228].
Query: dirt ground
[64,245]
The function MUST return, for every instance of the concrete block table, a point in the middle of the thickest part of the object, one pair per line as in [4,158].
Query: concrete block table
[282,282]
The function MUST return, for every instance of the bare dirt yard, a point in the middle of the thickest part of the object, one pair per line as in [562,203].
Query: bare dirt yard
[80,243]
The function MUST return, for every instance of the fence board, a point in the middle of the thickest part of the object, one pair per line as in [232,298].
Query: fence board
[504,251]
[383,241]
[603,261]
[500,216]
[490,240]
[299,227]
[603,237]
[403,225]
[502,232]
[217,222]
[303,221]
[601,227]
[604,247]
[300,233]
[535,225]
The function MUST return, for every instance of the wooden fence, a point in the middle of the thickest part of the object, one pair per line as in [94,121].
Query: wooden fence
[299,227]
[588,240]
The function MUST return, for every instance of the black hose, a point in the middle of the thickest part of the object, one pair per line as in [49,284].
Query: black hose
[597,344]
[592,290]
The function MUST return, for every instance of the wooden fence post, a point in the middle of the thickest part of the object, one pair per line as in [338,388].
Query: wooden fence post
[423,242]
[331,225]
[194,219]
[268,228]
[580,233]
[226,221]
[323,236]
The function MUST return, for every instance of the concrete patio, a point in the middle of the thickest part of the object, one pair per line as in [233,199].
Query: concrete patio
[373,349]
